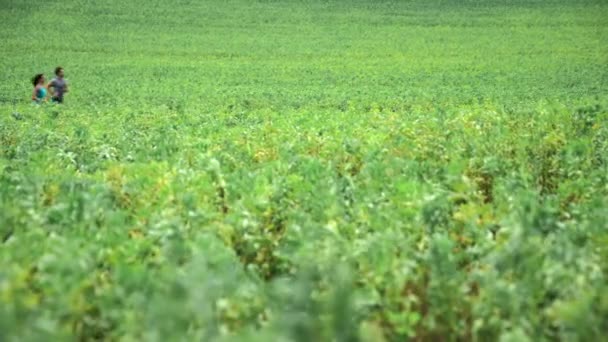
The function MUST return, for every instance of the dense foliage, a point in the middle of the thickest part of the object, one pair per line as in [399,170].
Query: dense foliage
[305,171]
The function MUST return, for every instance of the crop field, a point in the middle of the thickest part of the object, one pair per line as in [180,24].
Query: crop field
[316,170]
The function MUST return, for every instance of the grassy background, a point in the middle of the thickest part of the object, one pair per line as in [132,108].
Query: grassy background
[313,53]
[305,171]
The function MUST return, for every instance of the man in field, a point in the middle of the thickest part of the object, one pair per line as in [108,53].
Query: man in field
[58,86]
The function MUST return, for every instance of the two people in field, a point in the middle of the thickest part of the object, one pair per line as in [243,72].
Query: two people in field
[56,88]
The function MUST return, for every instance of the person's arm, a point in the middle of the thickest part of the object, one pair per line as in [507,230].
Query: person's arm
[51,88]
[34,94]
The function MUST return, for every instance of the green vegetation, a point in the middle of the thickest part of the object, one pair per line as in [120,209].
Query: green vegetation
[305,171]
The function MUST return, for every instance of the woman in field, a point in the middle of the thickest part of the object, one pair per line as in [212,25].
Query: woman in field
[39,92]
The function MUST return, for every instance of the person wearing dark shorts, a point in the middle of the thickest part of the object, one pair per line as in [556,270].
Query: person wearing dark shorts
[58,86]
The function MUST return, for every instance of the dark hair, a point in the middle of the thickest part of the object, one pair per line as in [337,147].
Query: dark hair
[57,70]
[37,78]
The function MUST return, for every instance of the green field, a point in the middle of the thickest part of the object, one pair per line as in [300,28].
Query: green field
[305,171]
